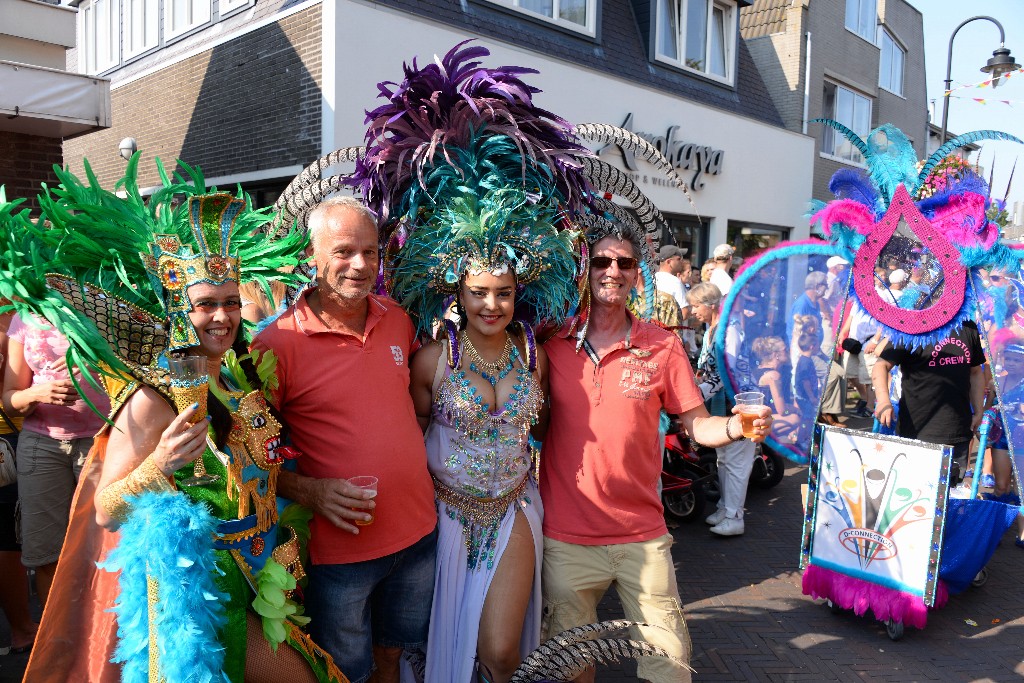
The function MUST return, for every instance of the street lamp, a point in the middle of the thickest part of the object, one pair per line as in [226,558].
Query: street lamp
[126,148]
[1000,63]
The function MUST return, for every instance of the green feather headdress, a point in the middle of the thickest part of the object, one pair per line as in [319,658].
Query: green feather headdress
[87,274]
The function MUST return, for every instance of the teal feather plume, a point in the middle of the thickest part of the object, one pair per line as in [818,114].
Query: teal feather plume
[190,609]
[891,161]
[488,162]
[854,139]
[497,226]
[957,142]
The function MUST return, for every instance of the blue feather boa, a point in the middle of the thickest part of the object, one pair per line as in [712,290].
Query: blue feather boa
[169,538]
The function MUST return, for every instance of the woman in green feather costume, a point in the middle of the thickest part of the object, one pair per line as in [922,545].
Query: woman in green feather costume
[206,566]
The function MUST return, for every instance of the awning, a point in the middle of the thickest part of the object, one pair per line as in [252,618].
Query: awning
[35,100]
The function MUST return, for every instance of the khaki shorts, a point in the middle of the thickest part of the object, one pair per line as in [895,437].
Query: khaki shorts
[48,472]
[575,578]
[859,365]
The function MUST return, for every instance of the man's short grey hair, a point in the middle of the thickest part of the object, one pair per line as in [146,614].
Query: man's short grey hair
[318,216]
[625,236]
[814,280]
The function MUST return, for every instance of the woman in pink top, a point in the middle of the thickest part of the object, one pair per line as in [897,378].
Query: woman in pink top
[55,438]
[14,587]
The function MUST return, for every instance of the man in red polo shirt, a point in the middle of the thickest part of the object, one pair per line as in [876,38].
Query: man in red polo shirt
[603,520]
[343,371]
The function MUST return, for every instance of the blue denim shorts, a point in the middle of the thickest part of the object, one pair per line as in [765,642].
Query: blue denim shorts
[383,602]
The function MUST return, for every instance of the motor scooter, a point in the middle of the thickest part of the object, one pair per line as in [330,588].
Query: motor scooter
[683,479]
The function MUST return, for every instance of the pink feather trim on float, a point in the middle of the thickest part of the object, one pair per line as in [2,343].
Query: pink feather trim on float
[963,222]
[860,596]
[846,212]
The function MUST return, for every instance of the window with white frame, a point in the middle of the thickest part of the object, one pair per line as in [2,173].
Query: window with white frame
[101,36]
[890,65]
[141,26]
[574,14]
[228,6]
[181,16]
[851,109]
[860,18]
[697,34]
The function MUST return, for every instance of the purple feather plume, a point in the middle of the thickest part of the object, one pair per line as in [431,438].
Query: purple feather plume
[444,104]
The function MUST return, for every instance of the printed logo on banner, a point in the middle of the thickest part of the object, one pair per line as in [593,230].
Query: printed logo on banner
[876,508]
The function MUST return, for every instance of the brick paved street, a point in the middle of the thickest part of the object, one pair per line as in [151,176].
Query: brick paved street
[750,622]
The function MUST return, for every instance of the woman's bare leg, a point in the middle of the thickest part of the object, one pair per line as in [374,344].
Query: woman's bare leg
[1001,470]
[501,623]
[263,665]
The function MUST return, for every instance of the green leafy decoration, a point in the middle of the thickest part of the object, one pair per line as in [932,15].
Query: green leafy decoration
[273,604]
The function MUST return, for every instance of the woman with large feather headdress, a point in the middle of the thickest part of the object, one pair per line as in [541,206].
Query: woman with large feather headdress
[196,563]
[476,187]
[479,193]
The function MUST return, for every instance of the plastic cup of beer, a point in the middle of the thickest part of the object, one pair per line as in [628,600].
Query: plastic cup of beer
[366,483]
[749,403]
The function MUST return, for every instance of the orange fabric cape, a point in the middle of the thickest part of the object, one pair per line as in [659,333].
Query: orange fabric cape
[77,635]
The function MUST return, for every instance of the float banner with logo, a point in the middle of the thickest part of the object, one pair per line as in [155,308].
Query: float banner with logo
[875,510]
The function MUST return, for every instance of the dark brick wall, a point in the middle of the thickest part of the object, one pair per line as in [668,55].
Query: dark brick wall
[249,104]
[26,161]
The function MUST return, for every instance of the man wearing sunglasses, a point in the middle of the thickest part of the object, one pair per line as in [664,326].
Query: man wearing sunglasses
[601,463]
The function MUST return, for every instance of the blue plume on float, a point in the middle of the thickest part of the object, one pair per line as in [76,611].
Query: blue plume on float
[998,256]
[1000,307]
[169,538]
[854,139]
[849,183]
[959,141]
[847,240]
[892,161]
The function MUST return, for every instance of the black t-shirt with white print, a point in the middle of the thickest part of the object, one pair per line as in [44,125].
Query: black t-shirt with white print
[936,401]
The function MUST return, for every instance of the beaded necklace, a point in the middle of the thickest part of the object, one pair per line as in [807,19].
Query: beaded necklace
[464,408]
[492,371]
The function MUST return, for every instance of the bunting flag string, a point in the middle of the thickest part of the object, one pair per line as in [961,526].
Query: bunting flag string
[986,83]
[986,100]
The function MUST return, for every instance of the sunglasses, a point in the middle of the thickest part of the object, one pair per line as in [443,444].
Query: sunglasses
[208,306]
[624,262]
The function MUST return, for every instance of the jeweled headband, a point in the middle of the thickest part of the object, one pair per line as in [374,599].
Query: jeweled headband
[177,266]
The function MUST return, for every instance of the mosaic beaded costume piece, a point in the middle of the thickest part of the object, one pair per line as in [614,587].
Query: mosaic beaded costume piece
[485,462]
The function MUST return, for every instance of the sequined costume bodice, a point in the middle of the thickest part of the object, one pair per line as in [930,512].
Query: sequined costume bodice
[480,452]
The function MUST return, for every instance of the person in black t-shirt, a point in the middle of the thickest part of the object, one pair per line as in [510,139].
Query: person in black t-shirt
[943,389]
